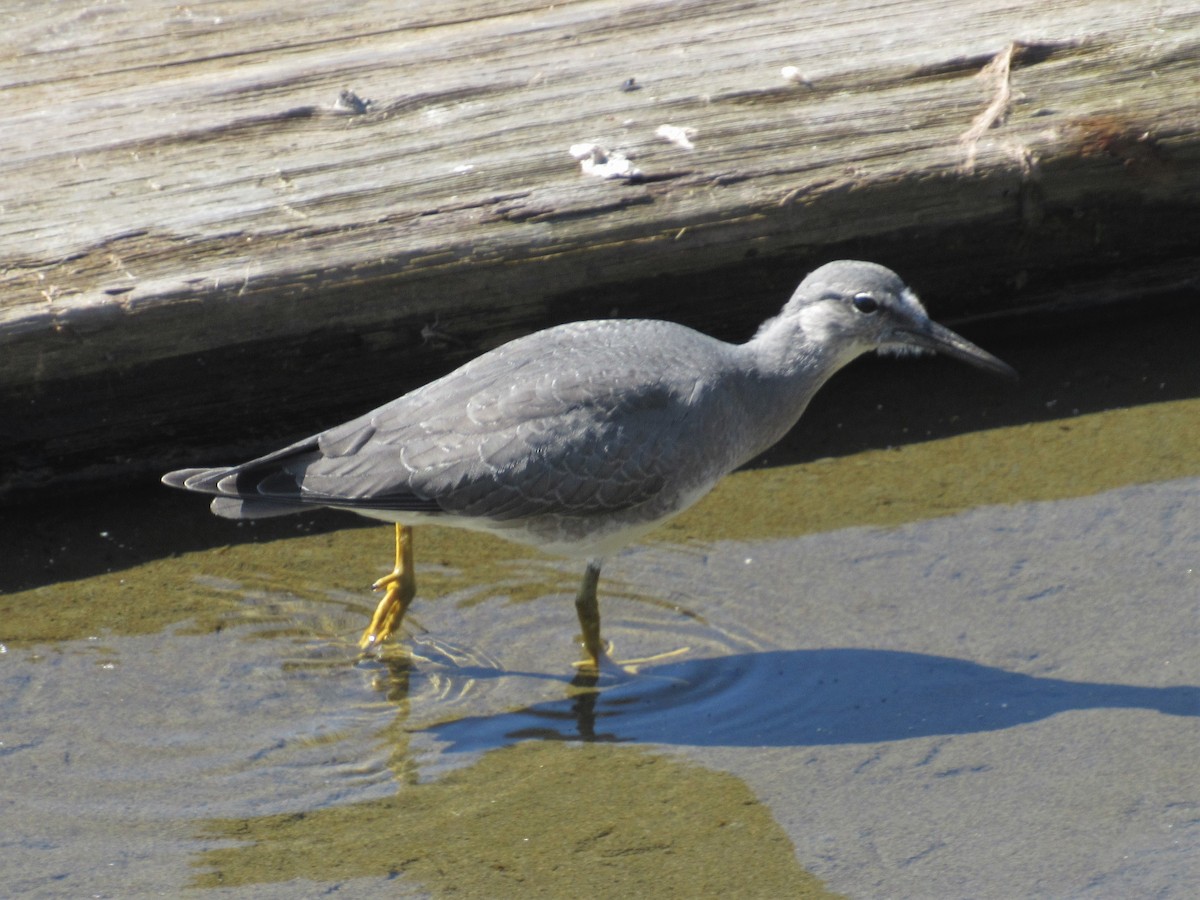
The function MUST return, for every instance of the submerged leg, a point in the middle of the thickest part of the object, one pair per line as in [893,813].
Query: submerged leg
[588,609]
[401,587]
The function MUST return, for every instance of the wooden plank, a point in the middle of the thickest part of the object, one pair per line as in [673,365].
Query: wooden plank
[181,186]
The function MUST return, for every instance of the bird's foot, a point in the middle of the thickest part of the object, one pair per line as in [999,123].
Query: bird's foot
[400,590]
[603,661]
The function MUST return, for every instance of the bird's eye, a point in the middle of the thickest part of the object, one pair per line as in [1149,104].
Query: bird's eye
[865,303]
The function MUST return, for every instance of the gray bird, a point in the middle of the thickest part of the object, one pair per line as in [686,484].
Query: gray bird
[581,438]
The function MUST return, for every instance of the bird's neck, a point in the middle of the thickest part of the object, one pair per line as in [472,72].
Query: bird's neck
[802,349]
[792,365]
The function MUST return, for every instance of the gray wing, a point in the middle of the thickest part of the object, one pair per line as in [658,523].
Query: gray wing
[579,420]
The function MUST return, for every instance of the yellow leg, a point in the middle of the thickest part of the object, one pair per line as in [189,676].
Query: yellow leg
[587,607]
[401,587]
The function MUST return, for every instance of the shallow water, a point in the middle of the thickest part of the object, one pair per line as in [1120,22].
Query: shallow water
[962,667]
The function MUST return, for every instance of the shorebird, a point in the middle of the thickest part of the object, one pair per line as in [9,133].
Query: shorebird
[581,438]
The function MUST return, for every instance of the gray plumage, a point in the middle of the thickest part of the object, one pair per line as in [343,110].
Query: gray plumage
[580,437]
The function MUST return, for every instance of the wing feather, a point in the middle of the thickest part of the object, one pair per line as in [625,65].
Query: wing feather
[580,420]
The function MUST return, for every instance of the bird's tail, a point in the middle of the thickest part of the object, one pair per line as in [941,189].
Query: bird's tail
[208,481]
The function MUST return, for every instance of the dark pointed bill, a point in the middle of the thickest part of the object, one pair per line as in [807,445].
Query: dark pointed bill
[941,339]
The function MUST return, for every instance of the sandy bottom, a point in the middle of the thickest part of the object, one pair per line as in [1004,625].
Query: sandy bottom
[964,667]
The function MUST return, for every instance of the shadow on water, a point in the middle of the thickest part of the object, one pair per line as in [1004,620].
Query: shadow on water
[790,698]
[95,534]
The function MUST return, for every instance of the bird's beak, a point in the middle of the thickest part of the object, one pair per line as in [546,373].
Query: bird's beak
[940,339]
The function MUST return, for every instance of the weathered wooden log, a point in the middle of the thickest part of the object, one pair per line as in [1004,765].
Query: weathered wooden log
[210,238]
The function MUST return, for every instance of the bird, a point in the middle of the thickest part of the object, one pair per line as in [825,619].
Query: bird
[581,438]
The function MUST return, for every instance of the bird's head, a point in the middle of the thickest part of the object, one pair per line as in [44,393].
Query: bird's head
[851,307]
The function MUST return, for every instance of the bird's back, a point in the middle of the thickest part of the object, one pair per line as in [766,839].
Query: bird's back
[566,437]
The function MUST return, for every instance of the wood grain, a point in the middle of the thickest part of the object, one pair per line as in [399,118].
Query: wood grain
[181,189]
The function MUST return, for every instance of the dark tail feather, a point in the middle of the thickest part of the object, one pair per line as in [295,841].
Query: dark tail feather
[195,479]
[207,481]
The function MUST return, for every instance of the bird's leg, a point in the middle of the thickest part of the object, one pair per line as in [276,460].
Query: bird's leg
[401,587]
[588,609]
